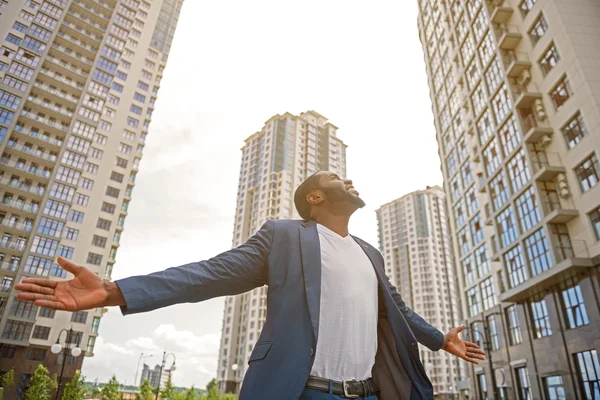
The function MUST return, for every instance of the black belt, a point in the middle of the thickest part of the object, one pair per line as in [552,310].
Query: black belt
[349,388]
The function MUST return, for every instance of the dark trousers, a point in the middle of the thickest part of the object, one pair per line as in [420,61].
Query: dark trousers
[311,394]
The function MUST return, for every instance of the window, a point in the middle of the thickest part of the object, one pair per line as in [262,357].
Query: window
[111,191]
[539,28]
[95,324]
[518,170]
[125,148]
[90,345]
[514,330]
[129,135]
[71,234]
[464,241]
[134,123]
[95,153]
[483,391]
[121,162]
[479,98]
[117,87]
[23,309]
[588,173]
[35,354]
[139,97]
[46,313]
[474,301]
[494,76]
[574,307]
[83,129]
[41,332]
[529,213]
[115,176]
[574,130]
[109,208]
[510,136]
[17,330]
[588,373]
[469,270]
[595,220]
[494,336]
[68,175]
[44,246]
[549,59]
[517,271]
[9,100]
[79,317]
[65,251]
[485,127]
[481,260]
[538,252]
[50,227]
[121,75]
[6,116]
[7,351]
[507,228]
[94,258]
[143,86]
[99,241]
[526,6]
[76,216]
[100,139]
[501,104]
[487,294]
[523,390]
[103,224]
[554,388]
[37,266]
[491,157]
[561,93]
[86,183]
[78,144]
[16,83]
[539,315]
[476,230]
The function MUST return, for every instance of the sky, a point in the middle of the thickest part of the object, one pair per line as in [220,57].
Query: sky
[233,65]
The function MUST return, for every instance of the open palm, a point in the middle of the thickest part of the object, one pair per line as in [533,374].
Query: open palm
[468,351]
[85,291]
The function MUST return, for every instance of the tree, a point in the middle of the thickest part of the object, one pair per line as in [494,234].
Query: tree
[211,384]
[41,385]
[212,394]
[168,391]
[146,391]
[75,389]
[7,381]
[111,390]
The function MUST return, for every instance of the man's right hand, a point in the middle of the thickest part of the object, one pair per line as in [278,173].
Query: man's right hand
[84,292]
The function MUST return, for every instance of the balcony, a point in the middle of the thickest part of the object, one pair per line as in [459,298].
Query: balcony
[524,97]
[500,11]
[569,259]
[508,36]
[20,205]
[74,56]
[515,63]
[51,158]
[59,78]
[92,10]
[22,186]
[481,184]
[9,266]
[45,121]
[21,166]
[74,30]
[51,107]
[533,130]
[45,89]
[43,137]
[557,210]
[546,166]
[13,245]
[16,226]
[87,21]
[64,65]
[90,49]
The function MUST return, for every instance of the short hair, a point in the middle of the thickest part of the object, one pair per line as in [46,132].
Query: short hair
[302,205]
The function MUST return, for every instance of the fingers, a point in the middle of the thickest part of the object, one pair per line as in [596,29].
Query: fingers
[56,305]
[476,356]
[460,329]
[28,296]
[26,284]
[28,287]
[471,360]
[69,265]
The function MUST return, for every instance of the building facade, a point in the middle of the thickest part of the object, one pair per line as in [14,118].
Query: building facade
[514,87]
[275,161]
[414,239]
[154,376]
[78,84]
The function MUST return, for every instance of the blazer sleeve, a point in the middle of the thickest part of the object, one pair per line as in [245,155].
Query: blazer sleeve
[232,272]
[426,334]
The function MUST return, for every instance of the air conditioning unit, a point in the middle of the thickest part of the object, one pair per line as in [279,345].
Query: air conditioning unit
[524,78]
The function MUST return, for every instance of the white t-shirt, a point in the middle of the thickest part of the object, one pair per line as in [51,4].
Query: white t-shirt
[347,340]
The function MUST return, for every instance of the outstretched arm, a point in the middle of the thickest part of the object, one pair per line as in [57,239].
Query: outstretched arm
[232,272]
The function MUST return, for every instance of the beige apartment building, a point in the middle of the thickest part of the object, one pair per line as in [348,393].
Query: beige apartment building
[275,160]
[516,98]
[78,84]
[414,239]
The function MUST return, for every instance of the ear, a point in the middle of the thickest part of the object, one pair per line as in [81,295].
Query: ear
[315,197]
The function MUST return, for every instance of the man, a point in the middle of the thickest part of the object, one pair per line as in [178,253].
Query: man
[335,326]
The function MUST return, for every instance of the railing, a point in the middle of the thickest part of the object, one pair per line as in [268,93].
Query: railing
[92,10]
[45,121]
[19,246]
[8,266]
[60,78]
[50,106]
[21,166]
[552,202]
[504,29]
[65,65]
[82,31]
[542,160]
[21,205]
[514,56]
[17,225]
[56,92]
[576,249]
[39,190]
[70,53]
[77,42]
[86,20]
[28,150]
[43,137]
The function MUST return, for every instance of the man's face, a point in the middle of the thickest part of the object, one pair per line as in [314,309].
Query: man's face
[339,191]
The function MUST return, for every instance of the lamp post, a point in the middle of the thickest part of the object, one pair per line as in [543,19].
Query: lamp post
[56,348]
[162,366]
[138,367]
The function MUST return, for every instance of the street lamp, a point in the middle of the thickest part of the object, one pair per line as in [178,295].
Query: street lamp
[138,367]
[162,366]
[56,348]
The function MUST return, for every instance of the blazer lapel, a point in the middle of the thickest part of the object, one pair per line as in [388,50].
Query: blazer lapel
[310,250]
[379,268]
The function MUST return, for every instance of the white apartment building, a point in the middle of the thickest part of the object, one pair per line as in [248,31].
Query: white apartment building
[514,87]
[275,161]
[414,239]
[78,84]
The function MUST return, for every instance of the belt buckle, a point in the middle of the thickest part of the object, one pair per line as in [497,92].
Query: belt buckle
[345,387]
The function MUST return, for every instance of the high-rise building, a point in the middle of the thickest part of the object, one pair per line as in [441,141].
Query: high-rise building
[154,376]
[78,84]
[414,240]
[514,86]
[275,161]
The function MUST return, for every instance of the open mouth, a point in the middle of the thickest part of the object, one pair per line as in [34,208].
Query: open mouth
[351,189]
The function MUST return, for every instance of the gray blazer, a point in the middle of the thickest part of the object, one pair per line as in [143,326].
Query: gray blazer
[286,256]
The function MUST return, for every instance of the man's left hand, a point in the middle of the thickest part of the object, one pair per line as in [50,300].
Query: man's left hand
[466,350]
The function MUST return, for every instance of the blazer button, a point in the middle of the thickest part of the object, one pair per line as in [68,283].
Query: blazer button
[414,343]
[312,352]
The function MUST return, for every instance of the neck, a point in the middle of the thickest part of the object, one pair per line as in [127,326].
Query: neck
[337,223]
